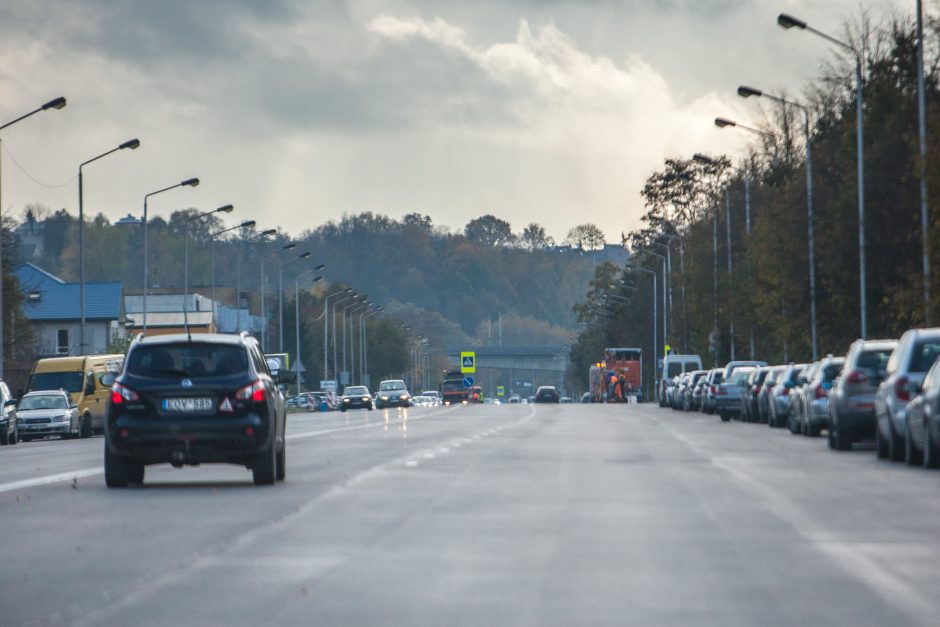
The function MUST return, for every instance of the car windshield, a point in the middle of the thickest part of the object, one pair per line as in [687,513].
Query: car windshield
[43,401]
[391,386]
[191,360]
[873,362]
[68,381]
[356,391]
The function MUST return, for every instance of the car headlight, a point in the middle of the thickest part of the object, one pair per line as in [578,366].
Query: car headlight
[345,400]
[384,398]
[403,397]
[365,398]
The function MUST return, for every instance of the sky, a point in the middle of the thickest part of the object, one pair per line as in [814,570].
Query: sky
[299,111]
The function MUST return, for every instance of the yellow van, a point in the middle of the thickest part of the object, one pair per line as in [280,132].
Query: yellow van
[87,379]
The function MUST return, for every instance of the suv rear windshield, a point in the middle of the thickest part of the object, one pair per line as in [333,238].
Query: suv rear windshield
[924,355]
[874,361]
[68,381]
[191,360]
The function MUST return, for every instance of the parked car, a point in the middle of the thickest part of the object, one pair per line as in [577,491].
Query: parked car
[393,393]
[852,398]
[711,390]
[698,392]
[922,445]
[47,412]
[779,399]
[688,401]
[763,396]
[209,398]
[814,397]
[730,391]
[904,373]
[547,394]
[749,407]
[9,430]
[356,397]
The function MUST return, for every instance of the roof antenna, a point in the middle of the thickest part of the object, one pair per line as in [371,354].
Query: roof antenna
[189,335]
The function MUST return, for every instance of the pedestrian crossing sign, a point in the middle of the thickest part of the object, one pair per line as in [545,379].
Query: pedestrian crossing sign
[468,362]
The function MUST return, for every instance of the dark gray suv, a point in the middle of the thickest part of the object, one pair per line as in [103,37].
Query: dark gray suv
[195,399]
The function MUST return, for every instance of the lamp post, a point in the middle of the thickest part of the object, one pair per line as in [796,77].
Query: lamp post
[247,224]
[745,92]
[280,292]
[133,144]
[56,103]
[922,148]
[787,22]
[665,319]
[193,182]
[653,273]
[713,339]
[326,320]
[264,311]
[339,302]
[297,317]
[198,216]
[238,286]
[352,339]
[365,379]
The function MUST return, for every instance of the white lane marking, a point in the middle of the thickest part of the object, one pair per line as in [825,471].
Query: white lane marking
[849,556]
[412,463]
[443,449]
[62,476]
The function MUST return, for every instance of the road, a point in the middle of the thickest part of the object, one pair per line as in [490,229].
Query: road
[514,515]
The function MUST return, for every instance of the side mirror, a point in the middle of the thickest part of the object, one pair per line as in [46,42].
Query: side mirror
[285,376]
[73,405]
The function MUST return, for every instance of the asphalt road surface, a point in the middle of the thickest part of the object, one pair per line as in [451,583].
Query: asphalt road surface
[514,515]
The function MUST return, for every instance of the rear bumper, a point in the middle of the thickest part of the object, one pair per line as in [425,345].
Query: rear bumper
[152,441]
[728,404]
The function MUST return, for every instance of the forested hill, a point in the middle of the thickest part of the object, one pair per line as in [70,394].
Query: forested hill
[468,278]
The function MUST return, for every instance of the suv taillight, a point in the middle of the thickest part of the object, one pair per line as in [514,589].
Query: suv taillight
[121,393]
[821,391]
[856,377]
[254,391]
[901,390]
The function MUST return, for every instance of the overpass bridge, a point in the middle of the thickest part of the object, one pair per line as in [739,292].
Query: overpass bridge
[531,358]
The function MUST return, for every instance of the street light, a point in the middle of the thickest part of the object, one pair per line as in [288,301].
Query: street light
[787,22]
[264,311]
[340,302]
[746,92]
[133,144]
[364,378]
[57,103]
[326,320]
[706,160]
[238,290]
[193,182]
[247,224]
[653,274]
[297,317]
[198,216]
[280,291]
[665,319]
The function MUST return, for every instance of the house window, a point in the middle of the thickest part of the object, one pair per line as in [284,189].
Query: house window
[62,341]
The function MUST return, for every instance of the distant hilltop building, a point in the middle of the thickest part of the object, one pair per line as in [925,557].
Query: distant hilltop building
[128,219]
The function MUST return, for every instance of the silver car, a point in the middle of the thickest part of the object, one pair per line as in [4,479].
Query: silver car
[779,400]
[47,412]
[912,358]
[763,395]
[731,391]
[814,397]
[852,399]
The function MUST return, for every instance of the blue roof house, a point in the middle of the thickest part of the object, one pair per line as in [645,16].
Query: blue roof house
[53,307]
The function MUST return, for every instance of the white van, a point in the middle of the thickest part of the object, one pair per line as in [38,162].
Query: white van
[673,366]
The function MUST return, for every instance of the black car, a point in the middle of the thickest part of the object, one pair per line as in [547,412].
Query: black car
[208,398]
[547,394]
[356,397]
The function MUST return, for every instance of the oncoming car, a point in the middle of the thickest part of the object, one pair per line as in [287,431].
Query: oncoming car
[393,393]
[355,397]
[208,398]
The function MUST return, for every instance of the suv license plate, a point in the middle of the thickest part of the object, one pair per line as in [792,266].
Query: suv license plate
[187,404]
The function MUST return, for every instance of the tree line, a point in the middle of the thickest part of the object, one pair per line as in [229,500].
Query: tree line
[752,212]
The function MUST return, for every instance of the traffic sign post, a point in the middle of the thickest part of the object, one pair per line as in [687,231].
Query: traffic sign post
[468,362]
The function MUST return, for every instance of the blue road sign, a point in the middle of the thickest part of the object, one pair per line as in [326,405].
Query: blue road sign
[468,382]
